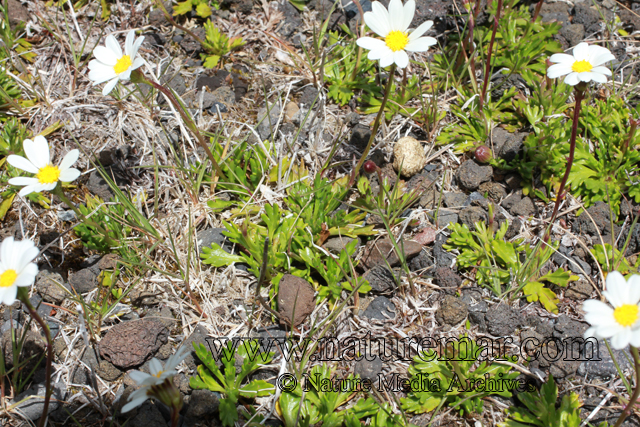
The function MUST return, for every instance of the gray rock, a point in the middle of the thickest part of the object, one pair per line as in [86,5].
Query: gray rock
[524,208]
[454,200]
[476,307]
[502,320]
[596,223]
[601,365]
[573,33]
[130,344]
[368,368]
[360,136]
[308,96]
[514,229]
[495,191]
[182,383]
[214,235]
[470,174]
[381,308]
[337,244]
[148,415]
[33,408]
[99,187]
[156,16]
[444,217]
[443,258]
[203,404]
[83,281]
[381,280]
[513,181]
[472,215]
[68,216]
[507,145]
[102,368]
[376,251]
[33,349]
[268,123]
[296,299]
[51,286]
[198,336]
[421,262]
[447,279]
[512,199]
[566,327]
[451,311]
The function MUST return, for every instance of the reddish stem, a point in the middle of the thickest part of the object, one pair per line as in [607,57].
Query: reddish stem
[572,148]
[489,52]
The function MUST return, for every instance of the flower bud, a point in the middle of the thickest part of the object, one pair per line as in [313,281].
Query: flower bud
[370,166]
[483,154]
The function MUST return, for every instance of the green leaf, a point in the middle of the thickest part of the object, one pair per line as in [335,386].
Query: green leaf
[219,205]
[211,61]
[559,277]
[535,291]
[228,412]
[218,257]
[257,388]
[203,10]
[182,7]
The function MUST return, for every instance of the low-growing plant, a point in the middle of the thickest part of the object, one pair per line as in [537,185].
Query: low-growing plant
[230,384]
[201,7]
[217,45]
[497,263]
[540,409]
[455,379]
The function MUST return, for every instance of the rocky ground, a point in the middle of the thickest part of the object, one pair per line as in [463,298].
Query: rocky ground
[142,143]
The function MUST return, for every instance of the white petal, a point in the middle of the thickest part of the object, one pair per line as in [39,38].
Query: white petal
[100,73]
[155,366]
[112,44]
[396,15]
[380,53]
[401,58]
[581,51]
[423,28]
[69,175]
[616,288]
[558,70]
[105,55]
[124,76]
[562,58]
[138,376]
[22,163]
[596,77]
[601,70]
[409,12]
[128,43]
[136,46]
[420,44]
[377,25]
[621,340]
[608,331]
[109,86]
[370,43]
[10,294]
[28,276]
[382,15]
[23,180]
[386,60]
[2,292]
[28,190]
[595,306]
[69,159]
[572,79]
[137,64]
[585,77]
[599,55]
[134,403]
[37,151]
[634,289]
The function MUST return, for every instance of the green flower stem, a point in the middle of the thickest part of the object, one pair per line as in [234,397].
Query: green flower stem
[376,125]
[138,77]
[23,295]
[87,221]
[636,391]
[580,90]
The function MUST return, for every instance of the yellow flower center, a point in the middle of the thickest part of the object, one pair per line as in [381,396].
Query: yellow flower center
[396,40]
[581,66]
[8,278]
[626,315]
[48,174]
[123,64]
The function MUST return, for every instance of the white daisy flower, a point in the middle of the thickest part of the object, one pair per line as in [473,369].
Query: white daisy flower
[158,376]
[622,322]
[16,267]
[393,26]
[38,162]
[111,64]
[584,65]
